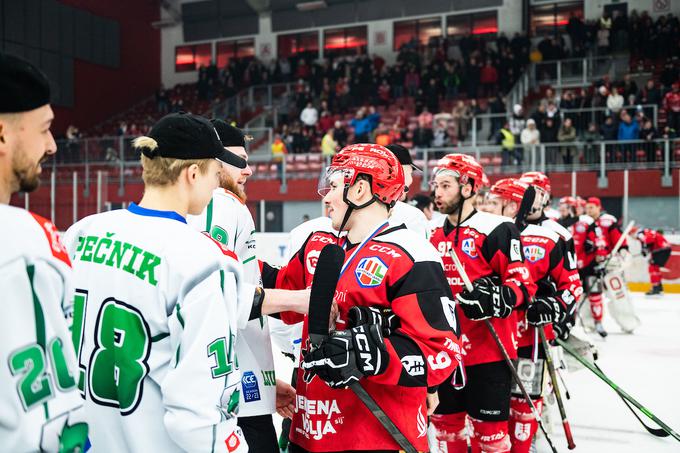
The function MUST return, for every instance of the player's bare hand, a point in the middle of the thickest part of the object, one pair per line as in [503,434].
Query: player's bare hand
[335,312]
[285,399]
[432,402]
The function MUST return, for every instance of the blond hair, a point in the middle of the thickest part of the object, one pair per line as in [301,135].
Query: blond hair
[163,171]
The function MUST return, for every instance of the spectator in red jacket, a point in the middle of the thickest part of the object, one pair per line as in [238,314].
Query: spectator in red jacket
[488,77]
[671,103]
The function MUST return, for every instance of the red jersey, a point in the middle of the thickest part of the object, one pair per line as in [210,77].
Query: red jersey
[488,244]
[652,240]
[544,255]
[589,241]
[610,231]
[394,269]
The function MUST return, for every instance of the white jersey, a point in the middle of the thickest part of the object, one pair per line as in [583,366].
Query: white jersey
[412,217]
[40,409]
[155,321]
[229,222]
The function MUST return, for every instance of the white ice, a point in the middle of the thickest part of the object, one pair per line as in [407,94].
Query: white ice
[645,364]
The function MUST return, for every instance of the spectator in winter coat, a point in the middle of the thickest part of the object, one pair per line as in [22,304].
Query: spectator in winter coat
[615,101]
[488,76]
[628,129]
[591,151]
[309,116]
[609,130]
[517,122]
[567,134]
[530,136]
[671,103]
[425,119]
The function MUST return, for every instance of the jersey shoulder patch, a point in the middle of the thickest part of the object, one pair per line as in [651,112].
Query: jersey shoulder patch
[223,248]
[404,241]
[539,231]
[557,228]
[52,235]
[485,223]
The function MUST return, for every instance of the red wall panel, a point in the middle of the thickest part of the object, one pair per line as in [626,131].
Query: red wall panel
[100,91]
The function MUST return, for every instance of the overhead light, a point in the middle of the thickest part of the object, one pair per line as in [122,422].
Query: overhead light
[311,6]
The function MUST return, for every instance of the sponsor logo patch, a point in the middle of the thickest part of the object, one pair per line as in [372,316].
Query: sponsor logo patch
[370,272]
[414,365]
[534,253]
[232,442]
[468,247]
[251,389]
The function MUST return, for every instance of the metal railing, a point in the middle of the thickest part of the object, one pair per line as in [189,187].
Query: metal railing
[570,72]
[250,101]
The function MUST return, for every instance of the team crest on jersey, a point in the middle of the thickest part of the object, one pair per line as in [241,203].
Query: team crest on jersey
[468,247]
[370,271]
[534,253]
[522,431]
[580,228]
[312,258]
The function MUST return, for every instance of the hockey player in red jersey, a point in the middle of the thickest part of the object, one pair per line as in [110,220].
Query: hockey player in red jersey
[558,289]
[386,267]
[658,250]
[609,225]
[489,247]
[591,251]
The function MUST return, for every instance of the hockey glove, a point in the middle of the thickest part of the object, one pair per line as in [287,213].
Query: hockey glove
[564,320]
[542,311]
[487,299]
[348,355]
[383,317]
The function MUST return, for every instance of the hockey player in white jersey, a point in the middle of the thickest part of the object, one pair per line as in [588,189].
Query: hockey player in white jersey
[40,409]
[228,221]
[158,306]
[402,212]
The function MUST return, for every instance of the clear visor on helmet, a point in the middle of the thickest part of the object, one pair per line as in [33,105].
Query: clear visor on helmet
[333,178]
[439,172]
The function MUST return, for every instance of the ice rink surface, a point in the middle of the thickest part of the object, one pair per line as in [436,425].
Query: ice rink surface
[645,364]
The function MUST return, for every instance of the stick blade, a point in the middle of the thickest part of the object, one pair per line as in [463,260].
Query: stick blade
[326,277]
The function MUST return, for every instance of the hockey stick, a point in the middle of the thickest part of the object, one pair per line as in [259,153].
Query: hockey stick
[556,389]
[468,285]
[618,390]
[658,432]
[326,278]
[619,243]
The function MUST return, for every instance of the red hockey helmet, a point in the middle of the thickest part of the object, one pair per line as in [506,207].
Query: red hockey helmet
[580,202]
[465,167]
[385,171]
[594,200]
[537,179]
[510,189]
[569,201]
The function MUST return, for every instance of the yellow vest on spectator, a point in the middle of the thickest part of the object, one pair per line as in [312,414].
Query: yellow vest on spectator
[508,141]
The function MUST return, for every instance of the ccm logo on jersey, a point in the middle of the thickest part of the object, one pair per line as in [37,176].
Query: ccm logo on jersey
[468,247]
[389,251]
[414,365]
[312,258]
[370,272]
[534,253]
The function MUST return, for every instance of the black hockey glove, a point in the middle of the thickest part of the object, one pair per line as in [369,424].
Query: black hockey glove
[347,355]
[543,310]
[487,299]
[564,321]
[383,317]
